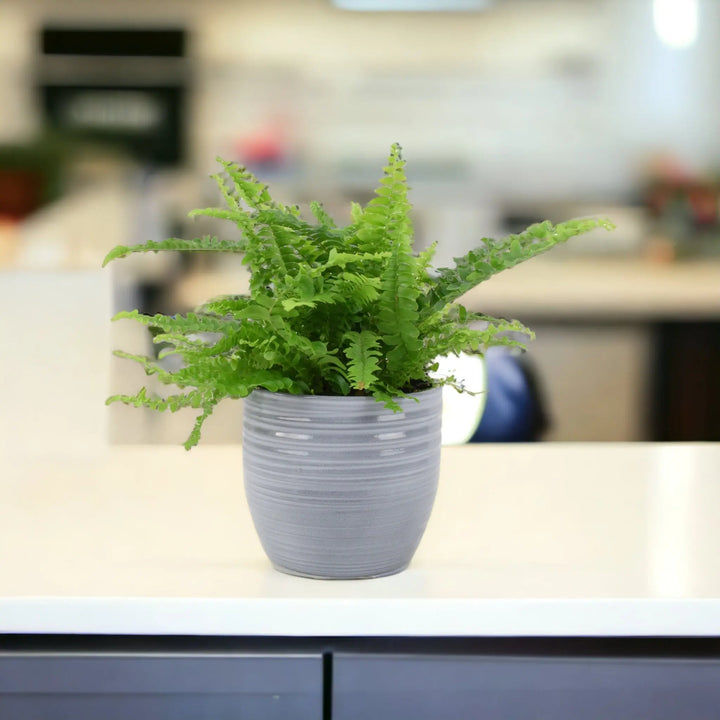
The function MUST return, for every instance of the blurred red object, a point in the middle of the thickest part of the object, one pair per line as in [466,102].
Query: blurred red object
[701,198]
[21,193]
[261,149]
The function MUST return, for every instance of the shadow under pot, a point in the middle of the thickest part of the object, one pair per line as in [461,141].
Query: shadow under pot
[340,487]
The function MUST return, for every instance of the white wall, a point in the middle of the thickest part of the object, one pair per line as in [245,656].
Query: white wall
[53,399]
[18,112]
[532,99]
[660,96]
[478,89]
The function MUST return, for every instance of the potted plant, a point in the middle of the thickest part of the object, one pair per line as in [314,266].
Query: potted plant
[334,349]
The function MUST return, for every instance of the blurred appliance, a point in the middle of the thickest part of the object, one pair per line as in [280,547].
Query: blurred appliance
[122,87]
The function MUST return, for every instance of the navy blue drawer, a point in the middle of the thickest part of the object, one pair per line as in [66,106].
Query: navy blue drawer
[160,687]
[437,687]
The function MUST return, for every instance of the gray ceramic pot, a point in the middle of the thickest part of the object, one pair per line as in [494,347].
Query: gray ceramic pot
[340,487]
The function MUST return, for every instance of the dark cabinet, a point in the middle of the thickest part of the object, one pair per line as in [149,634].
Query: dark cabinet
[436,687]
[67,686]
[362,679]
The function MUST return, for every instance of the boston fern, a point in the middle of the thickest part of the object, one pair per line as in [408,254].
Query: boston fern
[331,310]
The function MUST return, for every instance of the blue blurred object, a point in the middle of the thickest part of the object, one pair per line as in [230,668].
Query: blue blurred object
[514,408]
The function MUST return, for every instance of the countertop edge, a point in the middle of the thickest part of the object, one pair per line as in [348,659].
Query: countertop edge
[376,617]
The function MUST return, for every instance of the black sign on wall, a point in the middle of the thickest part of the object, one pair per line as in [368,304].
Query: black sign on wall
[125,88]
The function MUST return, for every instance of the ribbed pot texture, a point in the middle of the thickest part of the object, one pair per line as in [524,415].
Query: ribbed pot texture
[340,487]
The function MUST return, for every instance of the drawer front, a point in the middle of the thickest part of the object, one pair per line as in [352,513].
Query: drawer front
[386,687]
[160,687]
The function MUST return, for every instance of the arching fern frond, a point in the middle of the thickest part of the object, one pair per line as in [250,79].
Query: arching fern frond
[494,256]
[203,244]
[226,305]
[194,437]
[187,324]
[173,403]
[251,191]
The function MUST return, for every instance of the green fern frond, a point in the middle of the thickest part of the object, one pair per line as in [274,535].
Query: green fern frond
[321,215]
[180,343]
[387,222]
[203,244]
[250,190]
[194,437]
[363,354]
[227,192]
[501,325]
[226,305]
[239,217]
[389,397]
[343,259]
[173,403]
[186,324]
[292,303]
[455,330]
[149,365]
[425,260]
[494,256]
[356,212]
[278,249]
[355,290]
[331,310]
[456,340]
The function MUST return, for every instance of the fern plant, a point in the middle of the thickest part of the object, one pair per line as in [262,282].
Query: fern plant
[331,310]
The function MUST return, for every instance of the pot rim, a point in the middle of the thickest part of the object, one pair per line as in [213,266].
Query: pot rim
[264,391]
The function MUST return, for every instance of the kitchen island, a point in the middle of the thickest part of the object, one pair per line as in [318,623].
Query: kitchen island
[576,580]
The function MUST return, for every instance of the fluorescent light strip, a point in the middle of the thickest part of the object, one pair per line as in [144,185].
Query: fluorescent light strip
[676,21]
[412,5]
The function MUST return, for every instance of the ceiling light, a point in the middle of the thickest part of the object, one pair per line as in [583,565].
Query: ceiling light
[412,5]
[676,21]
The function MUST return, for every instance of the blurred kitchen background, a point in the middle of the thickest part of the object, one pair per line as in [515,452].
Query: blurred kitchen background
[509,112]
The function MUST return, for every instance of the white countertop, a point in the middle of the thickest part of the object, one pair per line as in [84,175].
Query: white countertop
[525,540]
[603,288]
